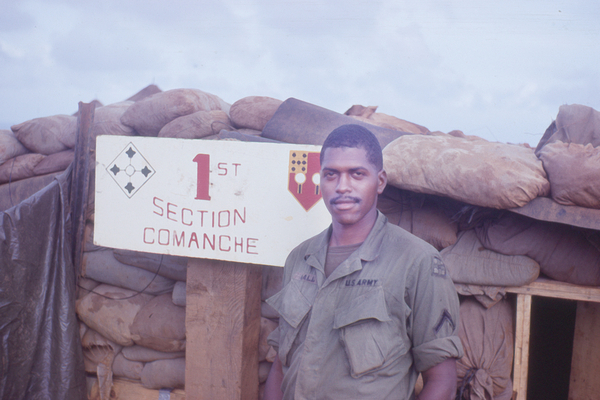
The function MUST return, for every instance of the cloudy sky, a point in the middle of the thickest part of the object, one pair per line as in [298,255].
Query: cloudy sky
[499,70]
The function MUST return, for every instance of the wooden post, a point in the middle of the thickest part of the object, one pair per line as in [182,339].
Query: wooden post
[585,363]
[80,179]
[522,334]
[222,330]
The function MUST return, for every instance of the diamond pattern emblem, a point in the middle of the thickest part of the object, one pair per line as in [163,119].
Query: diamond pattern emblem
[130,170]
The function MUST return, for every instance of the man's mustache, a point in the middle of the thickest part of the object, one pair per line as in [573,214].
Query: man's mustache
[344,199]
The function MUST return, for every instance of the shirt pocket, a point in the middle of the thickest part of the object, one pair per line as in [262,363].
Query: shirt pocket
[293,307]
[366,331]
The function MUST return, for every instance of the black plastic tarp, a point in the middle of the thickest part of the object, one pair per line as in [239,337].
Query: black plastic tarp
[41,355]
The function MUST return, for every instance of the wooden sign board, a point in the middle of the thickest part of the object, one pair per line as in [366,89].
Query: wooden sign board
[224,200]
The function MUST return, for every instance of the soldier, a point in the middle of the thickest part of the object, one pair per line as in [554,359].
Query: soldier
[365,306]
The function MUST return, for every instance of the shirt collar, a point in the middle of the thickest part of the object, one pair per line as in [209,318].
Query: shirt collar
[317,250]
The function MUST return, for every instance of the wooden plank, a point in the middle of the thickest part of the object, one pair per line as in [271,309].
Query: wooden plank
[522,330]
[585,364]
[124,389]
[562,290]
[222,330]
[80,178]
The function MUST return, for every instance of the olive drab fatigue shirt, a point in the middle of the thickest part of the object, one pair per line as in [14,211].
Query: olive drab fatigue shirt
[386,313]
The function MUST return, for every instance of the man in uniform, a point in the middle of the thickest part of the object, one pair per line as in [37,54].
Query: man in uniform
[365,306]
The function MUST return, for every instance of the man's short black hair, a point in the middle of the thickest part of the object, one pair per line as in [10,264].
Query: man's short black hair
[355,136]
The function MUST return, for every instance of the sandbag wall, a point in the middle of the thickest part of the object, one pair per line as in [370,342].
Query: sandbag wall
[450,190]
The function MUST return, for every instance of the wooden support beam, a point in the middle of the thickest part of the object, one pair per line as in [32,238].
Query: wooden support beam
[80,179]
[222,330]
[522,334]
[585,364]
[560,290]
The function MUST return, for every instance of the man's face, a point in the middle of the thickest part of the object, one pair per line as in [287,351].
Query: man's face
[350,185]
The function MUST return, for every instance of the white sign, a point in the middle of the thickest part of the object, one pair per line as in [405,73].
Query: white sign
[227,200]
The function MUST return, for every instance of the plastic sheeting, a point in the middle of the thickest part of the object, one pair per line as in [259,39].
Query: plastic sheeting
[41,354]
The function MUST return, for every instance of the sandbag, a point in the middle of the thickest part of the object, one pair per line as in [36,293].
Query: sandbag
[54,162]
[296,121]
[264,367]
[160,325]
[13,193]
[196,125]
[145,92]
[477,172]
[145,354]
[417,215]
[487,337]
[469,262]
[369,115]
[164,374]
[574,123]
[20,167]
[253,112]
[241,135]
[97,350]
[47,135]
[179,293]
[110,311]
[574,173]
[487,296]
[85,286]
[172,267]
[10,146]
[98,355]
[149,115]
[247,131]
[107,120]
[564,253]
[127,368]
[103,267]
[266,327]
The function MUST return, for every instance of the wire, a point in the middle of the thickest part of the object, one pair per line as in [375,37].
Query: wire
[133,295]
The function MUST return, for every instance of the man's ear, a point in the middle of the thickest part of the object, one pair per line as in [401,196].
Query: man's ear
[382,181]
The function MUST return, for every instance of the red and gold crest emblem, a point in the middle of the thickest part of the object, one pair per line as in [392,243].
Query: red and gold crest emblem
[304,178]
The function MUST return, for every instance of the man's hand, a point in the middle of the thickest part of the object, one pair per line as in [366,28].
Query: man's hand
[273,384]
[439,382]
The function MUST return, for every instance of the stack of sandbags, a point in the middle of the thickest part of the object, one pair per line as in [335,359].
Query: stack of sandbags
[34,151]
[129,298]
[564,253]
[570,151]
[48,142]
[420,215]
[140,335]
[151,114]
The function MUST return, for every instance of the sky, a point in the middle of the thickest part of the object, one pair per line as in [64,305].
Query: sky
[498,70]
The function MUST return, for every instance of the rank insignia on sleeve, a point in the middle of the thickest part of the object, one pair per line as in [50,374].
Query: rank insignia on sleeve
[445,318]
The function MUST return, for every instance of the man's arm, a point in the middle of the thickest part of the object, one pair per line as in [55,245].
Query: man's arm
[273,384]
[439,382]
